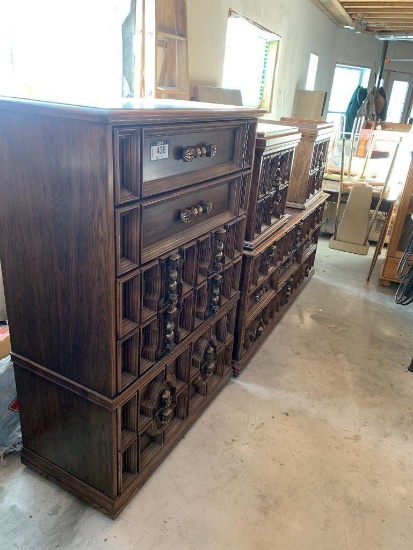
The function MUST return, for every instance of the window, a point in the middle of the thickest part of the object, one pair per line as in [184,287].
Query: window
[312,72]
[346,79]
[251,55]
[397,100]
[70,51]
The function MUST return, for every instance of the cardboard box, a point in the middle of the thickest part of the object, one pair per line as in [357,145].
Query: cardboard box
[4,341]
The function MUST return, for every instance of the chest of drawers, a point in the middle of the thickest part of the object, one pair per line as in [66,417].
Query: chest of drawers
[273,274]
[278,257]
[121,252]
[274,153]
[309,162]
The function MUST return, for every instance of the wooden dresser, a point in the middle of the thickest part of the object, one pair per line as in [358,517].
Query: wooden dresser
[309,162]
[274,153]
[279,255]
[121,249]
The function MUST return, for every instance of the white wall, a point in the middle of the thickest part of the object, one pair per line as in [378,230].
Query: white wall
[400,50]
[358,49]
[304,29]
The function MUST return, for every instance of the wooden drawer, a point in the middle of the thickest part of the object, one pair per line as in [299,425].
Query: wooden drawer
[221,146]
[170,221]
[263,290]
[151,161]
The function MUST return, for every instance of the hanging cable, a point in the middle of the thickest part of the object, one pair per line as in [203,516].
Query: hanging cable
[404,294]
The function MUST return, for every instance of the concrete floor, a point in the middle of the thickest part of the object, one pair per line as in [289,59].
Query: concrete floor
[310,448]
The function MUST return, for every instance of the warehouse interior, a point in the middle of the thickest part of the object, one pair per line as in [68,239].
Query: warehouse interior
[309,444]
[310,447]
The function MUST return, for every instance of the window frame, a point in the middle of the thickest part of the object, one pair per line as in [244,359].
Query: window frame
[270,63]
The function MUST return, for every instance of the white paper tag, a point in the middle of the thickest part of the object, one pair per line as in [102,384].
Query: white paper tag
[159,150]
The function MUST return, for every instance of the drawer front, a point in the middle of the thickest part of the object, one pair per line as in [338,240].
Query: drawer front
[176,156]
[259,325]
[126,164]
[263,290]
[268,211]
[179,217]
[275,171]
[182,270]
[168,400]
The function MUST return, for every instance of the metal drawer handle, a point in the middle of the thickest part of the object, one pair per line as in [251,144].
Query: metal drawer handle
[187,214]
[191,153]
[263,290]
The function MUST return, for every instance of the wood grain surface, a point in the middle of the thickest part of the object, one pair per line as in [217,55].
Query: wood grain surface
[57,244]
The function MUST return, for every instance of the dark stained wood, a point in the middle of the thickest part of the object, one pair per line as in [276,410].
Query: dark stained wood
[170,173]
[275,313]
[73,433]
[181,372]
[270,180]
[163,227]
[133,111]
[127,234]
[277,261]
[57,229]
[127,174]
[128,302]
[113,507]
[122,307]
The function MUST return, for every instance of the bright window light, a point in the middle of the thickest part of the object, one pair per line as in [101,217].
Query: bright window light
[69,51]
[251,55]
[346,80]
[397,101]
[312,72]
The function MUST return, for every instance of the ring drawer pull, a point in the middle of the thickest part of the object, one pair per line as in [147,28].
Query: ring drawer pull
[187,214]
[191,153]
[262,292]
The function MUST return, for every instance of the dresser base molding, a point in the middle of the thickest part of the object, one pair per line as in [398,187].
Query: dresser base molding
[307,204]
[113,507]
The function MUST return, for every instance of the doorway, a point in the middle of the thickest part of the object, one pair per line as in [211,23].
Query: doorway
[399,91]
[346,79]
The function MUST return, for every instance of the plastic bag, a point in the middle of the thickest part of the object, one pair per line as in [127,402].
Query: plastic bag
[10,431]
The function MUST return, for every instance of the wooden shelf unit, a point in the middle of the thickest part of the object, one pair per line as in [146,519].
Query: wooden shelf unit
[402,229]
[165,50]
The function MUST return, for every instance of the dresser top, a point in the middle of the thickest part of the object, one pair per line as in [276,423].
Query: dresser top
[272,136]
[271,130]
[307,126]
[130,110]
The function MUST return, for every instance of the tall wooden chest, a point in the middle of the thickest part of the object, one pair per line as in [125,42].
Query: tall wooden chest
[121,249]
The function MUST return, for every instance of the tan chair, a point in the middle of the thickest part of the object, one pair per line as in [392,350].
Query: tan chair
[210,94]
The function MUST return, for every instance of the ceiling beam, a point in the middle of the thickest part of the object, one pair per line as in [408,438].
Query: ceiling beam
[336,10]
[375,6]
[355,9]
[372,17]
[390,20]
[381,14]
[391,33]
[376,3]
[381,28]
